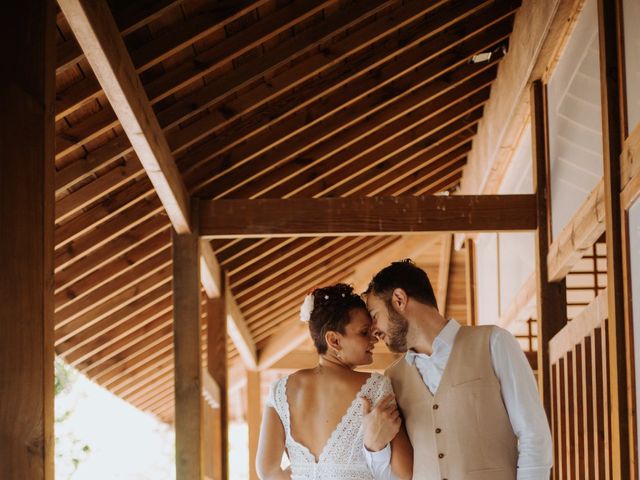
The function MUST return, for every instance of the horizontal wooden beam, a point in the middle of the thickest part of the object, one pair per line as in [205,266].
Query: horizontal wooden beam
[580,327]
[366,216]
[578,236]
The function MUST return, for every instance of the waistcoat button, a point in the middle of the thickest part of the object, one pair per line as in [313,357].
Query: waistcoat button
[435,407]
[441,455]
[438,430]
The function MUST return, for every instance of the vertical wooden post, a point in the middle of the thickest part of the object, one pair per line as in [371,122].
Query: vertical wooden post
[26,240]
[551,298]
[610,36]
[253,419]
[217,366]
[470,277]
[188,362]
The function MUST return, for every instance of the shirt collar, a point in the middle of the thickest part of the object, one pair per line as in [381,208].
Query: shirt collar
[443,342]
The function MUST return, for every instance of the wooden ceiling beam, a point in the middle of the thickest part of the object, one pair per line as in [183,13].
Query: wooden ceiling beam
[367,92]
[156,51]
[353,48]
[69,52]
[255,297]
[99,335]
[306,41]
[365,216]
[139,258]
[84,302]
[378,136]
[97,34]
[336,270]
[68,327]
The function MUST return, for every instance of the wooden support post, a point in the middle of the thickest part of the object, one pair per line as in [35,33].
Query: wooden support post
[470,281]
[610,35]
[26,243]
[217,366]
[187,348]
[253,419]
[443,272]
[551,297]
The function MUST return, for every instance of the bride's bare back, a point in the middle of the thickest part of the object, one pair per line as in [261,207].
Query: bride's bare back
[318,399]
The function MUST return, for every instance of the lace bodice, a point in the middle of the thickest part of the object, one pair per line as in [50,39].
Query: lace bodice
[341,457]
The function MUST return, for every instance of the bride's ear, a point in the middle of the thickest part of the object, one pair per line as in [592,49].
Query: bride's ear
[332,339]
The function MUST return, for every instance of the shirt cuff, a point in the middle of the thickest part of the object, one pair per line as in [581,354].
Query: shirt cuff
[381,457]
[533,473]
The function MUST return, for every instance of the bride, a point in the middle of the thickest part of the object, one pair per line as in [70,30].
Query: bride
[323,417]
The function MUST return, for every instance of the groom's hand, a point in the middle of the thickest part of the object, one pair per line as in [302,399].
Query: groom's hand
[380,423]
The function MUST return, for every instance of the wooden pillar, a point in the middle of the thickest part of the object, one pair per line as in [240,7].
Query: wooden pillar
[551,298]
[188,362]
[610,36]
[253,418]
[470,281]
[217,366]
[26,240]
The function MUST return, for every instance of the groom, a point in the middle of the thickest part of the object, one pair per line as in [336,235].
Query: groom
[467,394]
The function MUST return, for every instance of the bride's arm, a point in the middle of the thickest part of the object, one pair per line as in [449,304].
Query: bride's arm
[271,447]
[402,455]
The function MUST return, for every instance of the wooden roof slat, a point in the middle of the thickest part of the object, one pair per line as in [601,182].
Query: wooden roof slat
[100,187]
[129,338]
[254,253]
[82,133]
[136,193]
[326,262]
[69,52]
[428,151]
[401,132]
[136,390]
[136,362]
[96,32]
[155,51]
[99,158]
[200,172]
[337,269]
[134,292]
[318,63]
[279,56]
[255,298]
[231,48]
[315,146]
[301,250]
[443,172]
[73,242]
[85,265]
[153,305]
[142,371]
[109,271]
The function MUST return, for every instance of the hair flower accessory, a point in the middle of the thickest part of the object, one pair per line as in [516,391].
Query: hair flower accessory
[306,308]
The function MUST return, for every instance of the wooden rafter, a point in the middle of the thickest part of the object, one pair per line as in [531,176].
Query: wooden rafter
[365,216]
[98,35]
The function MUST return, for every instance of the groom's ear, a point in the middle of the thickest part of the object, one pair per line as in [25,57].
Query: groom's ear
[399,299]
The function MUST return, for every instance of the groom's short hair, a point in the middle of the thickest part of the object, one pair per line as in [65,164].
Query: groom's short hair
[404,274]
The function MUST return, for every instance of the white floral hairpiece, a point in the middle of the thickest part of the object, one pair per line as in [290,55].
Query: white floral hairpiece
[306,308]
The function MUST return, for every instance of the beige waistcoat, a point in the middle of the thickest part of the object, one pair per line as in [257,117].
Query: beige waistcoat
[462,432]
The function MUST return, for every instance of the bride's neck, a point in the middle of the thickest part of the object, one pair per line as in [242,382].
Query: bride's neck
[330,363]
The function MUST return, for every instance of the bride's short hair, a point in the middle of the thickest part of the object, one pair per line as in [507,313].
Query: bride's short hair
[331,308]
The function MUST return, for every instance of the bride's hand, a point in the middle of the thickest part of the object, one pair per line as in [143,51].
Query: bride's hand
[381,423]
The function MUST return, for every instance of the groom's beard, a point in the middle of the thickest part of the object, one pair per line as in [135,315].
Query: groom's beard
[397,335]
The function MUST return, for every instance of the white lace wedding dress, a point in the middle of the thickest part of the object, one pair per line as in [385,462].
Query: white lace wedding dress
[341,457]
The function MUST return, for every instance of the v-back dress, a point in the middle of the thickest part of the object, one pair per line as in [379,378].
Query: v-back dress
[342,457]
